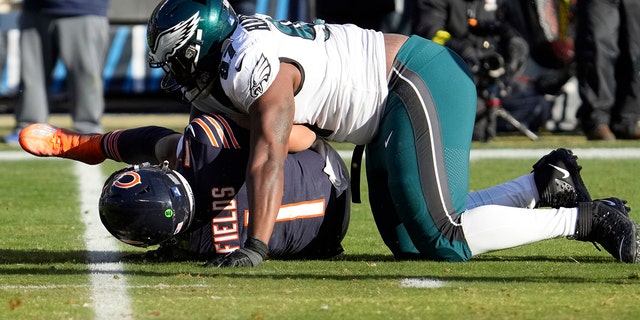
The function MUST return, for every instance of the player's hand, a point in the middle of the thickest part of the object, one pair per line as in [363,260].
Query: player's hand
[251,255]
[239,258]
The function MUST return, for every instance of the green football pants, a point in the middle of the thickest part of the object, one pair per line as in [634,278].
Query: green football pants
[418,163]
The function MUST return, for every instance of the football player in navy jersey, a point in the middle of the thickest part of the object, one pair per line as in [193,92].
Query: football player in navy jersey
[207,166]
[410,101]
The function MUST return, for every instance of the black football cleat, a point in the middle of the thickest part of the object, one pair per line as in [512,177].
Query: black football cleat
[602,222]
[617,203]
[557,177]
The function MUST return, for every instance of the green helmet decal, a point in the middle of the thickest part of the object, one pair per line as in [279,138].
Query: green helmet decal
[165,44]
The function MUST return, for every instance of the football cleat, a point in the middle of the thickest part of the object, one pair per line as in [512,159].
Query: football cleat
[45,140]
[558,180]
[617,203]
[602,222]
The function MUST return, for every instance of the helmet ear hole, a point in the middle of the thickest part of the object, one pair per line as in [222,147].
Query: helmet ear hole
[144,205]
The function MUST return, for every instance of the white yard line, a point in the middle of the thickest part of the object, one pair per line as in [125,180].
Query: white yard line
[582,153]
[80,286]
[429,283]
[108,283]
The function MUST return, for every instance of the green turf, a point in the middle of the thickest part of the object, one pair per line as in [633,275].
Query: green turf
[44,272]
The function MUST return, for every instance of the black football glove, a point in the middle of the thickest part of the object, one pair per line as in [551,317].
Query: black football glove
[251,255]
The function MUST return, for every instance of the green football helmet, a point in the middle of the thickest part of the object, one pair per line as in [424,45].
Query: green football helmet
[185,39]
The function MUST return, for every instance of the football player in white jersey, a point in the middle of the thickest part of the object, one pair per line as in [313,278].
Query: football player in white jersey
[410,101]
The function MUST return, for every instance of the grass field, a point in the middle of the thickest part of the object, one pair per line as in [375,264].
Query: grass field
[57,262]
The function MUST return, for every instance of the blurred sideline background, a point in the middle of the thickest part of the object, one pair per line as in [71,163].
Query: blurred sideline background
[131,86]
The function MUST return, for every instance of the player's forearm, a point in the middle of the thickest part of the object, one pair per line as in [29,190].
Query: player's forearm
[265,178]
[265,188]
[271,124]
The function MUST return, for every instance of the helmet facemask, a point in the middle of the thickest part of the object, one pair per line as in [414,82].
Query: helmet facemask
[182,75]
[186,77]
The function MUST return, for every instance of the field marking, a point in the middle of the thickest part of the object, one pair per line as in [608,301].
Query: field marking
[108,283]
[429,283]
[536,153]
[80,286]
[582,153]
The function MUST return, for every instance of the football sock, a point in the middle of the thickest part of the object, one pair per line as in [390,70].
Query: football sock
[134,145]
[492,227]
[520,192]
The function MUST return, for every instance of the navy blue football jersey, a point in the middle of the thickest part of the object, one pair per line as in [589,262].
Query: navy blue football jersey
[311,222]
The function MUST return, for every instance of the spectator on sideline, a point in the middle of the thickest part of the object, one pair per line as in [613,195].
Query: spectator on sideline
[548,26]
[608,68]
[480,32]
[77,33]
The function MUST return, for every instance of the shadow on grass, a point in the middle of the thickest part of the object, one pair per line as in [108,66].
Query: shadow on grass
[37,262]
[8,256]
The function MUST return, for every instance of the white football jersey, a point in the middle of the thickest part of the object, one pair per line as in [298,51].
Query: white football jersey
[344,81]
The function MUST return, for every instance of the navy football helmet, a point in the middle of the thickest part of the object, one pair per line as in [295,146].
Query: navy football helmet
[185,38]
[144,204]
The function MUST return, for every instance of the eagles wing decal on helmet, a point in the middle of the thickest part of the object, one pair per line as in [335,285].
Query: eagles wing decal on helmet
[128,180]
[259,76]
[174,38]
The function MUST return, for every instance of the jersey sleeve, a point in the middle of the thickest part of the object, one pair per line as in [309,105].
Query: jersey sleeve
[213,159]
[249,67]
